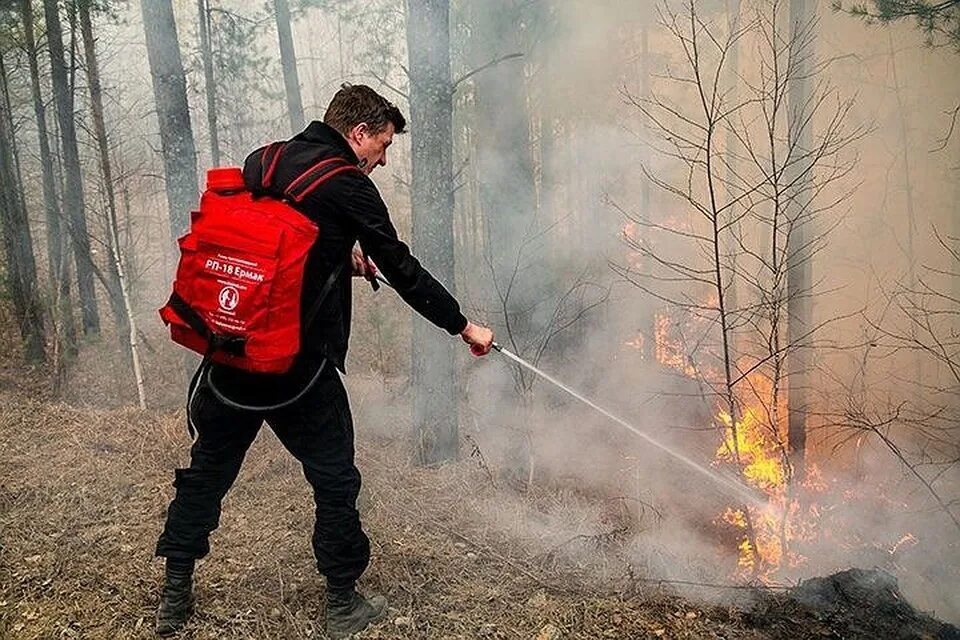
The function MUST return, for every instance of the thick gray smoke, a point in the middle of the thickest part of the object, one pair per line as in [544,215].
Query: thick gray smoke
[551,153]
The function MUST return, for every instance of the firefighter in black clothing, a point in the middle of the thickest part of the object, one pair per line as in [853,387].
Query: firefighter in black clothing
[317,428]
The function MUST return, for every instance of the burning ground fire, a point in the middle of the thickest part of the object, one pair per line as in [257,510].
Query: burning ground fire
[798,511]
[769,536]
[766,537]
[771,539]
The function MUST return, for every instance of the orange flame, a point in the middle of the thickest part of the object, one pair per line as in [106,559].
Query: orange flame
[758,445]
[771,537]
[759,459]
[670,352]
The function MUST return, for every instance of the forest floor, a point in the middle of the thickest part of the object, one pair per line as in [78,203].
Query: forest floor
[83,493]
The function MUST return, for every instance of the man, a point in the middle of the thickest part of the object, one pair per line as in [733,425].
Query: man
[229,405]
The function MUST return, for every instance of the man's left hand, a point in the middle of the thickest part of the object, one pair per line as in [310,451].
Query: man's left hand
[363,266]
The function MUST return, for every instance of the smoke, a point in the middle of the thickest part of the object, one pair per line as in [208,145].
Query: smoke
[870,508]
[571,484]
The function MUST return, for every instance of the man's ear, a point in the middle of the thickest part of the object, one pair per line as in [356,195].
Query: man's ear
[359,132]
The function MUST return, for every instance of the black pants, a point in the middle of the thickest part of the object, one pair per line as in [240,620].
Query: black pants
[318,431]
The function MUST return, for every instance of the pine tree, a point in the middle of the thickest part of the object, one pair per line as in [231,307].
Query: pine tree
[938,19]
[210,81]
[288,62]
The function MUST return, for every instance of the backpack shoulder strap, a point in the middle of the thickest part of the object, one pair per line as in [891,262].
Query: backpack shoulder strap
[268,163]
[315,176]
[305,183]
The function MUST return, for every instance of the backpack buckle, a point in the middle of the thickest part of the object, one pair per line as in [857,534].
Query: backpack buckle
[232,345]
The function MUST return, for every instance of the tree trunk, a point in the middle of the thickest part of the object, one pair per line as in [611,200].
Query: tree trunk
[66,245]
[113,281]
[57,264]
[73,200]
[18,246]
[732,82]
[908,192]
[128,324]
[647,320]
[210,83]
[431,123]
[173,112]
[288,60]
[907,173]
[954,242]
[799,257]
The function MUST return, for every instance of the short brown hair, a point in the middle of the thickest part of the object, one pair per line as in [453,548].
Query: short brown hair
[356,103]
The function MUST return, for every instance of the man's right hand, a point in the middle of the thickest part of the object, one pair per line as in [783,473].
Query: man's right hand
[479,338]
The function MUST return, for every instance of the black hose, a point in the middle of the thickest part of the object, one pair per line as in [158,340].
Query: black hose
[267,407]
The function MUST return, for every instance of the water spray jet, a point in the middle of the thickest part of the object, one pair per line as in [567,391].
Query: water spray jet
[733,487]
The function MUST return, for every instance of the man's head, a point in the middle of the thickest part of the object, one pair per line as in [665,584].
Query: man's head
[367,120]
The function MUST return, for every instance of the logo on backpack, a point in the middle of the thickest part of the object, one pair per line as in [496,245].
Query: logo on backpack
[229,298]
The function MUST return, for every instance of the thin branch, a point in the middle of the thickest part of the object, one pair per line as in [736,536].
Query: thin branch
[494,62]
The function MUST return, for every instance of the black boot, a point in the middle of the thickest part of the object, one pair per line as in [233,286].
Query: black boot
[176,601]
[348,612]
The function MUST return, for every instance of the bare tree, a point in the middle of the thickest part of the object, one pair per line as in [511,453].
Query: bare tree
[541,323]
[753,198]
[915,420]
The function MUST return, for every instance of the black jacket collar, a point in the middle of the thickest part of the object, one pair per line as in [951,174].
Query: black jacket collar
[321,133]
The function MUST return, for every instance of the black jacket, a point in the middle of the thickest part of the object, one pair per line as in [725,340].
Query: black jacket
[346,209]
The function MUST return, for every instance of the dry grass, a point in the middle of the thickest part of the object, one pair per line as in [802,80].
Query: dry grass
[82,499]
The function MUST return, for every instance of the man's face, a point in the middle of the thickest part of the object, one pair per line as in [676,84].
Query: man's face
[371,147]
